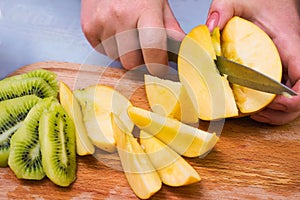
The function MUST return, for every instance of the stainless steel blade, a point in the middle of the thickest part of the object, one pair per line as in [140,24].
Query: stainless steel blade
[248,77]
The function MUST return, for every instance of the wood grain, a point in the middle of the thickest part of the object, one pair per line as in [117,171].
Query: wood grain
[251,161]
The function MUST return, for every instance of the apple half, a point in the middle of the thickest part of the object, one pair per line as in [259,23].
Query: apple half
[97,103]
[170,98]
[244,42]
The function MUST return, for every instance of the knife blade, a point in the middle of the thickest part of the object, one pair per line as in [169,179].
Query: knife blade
[238,73]
[248,77]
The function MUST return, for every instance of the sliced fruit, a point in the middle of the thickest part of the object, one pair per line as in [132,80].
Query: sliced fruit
[184,139]
[244,42]
[57,141]
[29,86]
[84,145]
[216,41]
[25,158]
[141,175]
[170,98]
[201,36]
[171,167]
[12,114]
[97,103]
[46,75]
[210,92]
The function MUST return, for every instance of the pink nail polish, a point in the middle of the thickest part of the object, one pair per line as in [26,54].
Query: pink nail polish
[213,20]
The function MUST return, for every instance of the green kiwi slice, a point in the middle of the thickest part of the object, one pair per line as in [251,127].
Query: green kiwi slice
[12,114]
[17,88]
[57,140]
[46,75]
[25,158]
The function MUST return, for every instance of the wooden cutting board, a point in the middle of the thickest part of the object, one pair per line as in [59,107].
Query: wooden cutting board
[251,161]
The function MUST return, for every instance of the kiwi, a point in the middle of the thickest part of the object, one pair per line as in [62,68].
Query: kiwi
[17,88]
[25,158]
[57,141]
[12,114]
[46,75]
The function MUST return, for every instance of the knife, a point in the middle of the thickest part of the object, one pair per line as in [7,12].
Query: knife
[238,73]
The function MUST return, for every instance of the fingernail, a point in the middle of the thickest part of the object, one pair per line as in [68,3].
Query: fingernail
[213,20]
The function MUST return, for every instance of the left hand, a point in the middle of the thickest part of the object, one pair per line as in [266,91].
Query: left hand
[280,20]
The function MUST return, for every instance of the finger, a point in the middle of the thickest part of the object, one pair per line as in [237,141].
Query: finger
[171,24]
[275,117]
[129,49]
[222,10]
[109,44]
[287,104]
[153,41]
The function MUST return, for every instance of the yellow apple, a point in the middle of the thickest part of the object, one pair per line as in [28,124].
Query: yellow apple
[138,169]
[210,92]
[84,145]
[170,98]
[241,41]
[171,167]
[244,42]
[97,103]
[184,139]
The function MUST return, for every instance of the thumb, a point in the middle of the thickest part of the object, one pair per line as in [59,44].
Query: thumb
[222,10]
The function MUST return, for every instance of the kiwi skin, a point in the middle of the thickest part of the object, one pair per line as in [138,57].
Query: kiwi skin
[29,86]
[25,158]
[46,75]
[57,141]
[12,114]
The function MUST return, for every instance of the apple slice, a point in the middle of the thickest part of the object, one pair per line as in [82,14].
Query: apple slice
[83,144]
[210,92]
[184,139]
[97,103]
[139,171]
[244,42]
[170,98]
[171,167]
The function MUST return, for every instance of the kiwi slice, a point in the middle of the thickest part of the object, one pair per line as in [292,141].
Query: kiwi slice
[12,114]
[25,158]
[57,140]
[46,75]
[17,88]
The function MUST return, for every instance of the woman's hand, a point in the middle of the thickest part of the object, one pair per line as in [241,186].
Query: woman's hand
[131,31]
[281,21]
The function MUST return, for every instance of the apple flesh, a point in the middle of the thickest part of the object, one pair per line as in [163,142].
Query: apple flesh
[97,103]
[84,145]
[244,42]
[170,98]
[138,169]
[210,92]
[171,167]
[184,139]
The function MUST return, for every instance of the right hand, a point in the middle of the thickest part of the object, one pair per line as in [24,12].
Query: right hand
[131,31]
